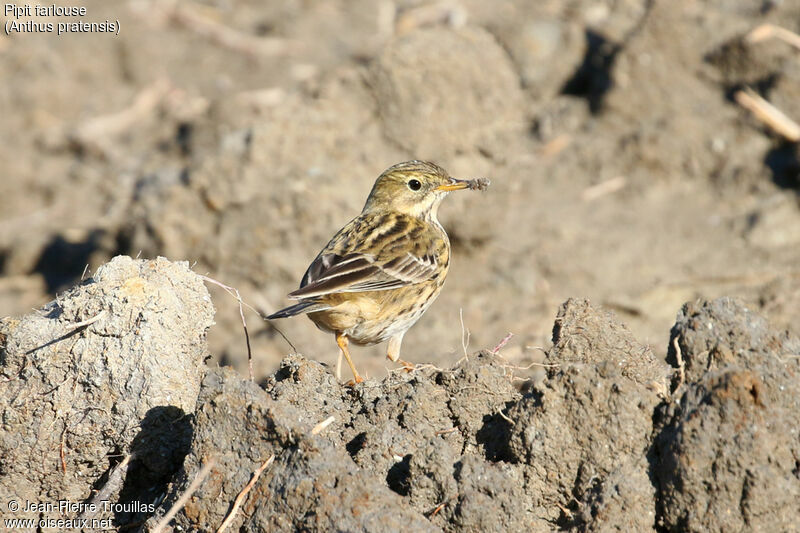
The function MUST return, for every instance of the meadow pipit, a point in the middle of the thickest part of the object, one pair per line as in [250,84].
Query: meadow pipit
[382,270]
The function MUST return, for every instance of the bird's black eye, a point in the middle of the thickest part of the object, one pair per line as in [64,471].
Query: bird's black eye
[414,185]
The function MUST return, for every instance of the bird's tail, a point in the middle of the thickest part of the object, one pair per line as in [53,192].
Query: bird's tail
[306,306]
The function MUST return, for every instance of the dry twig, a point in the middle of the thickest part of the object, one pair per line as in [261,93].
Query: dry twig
[114,483]
[502,343]
[322,425]
[413,369]
[178,505]
[96,132]
[679,359]
[508,368]
[237,502]
[447,13]
[555,146]
[464,341]
[235,293]
[262,98]
[87,322]
[603,188]
[768,31]
[505,417]
[768,114]
[62,454]
[565,510]
[71,330]
[189,16]
[438,508]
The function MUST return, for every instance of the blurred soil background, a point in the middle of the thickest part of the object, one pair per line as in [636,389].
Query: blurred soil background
[240,135]
[631,166]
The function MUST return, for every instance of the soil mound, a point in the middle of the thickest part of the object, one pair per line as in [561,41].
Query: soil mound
[106,395]
[111,368]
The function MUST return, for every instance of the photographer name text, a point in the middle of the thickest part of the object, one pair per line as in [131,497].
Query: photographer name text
[61,514]
[70,507]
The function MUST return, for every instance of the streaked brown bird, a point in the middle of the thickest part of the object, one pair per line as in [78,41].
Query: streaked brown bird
[383,269]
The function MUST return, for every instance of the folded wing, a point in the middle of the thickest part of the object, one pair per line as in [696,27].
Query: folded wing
[359,272]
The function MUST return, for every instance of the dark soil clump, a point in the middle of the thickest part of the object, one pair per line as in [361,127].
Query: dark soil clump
[121,406]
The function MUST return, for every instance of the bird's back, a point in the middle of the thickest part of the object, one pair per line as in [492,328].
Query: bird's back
[372,316]
[385,236]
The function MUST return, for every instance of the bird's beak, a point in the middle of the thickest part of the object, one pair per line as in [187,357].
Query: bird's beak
[454,185]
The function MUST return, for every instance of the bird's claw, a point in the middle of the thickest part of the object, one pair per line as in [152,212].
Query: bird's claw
[354,382]
[408,367]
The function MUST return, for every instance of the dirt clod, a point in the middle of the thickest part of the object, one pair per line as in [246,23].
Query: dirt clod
[422,78]
[77,400]
[584,334]
[727,450]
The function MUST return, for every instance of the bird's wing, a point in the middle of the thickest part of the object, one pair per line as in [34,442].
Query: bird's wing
[385,254]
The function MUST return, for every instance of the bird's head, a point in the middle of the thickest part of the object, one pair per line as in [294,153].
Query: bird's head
[415,188]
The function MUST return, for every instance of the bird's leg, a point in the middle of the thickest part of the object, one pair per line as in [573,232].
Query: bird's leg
[341,340]
[393,352]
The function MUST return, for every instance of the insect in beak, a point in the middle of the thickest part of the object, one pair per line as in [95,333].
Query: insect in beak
[454,185]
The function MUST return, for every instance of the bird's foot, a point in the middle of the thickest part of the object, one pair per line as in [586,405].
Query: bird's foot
[354,382]
[408,367]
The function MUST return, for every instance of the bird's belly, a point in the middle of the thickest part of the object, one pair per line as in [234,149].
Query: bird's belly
[374,332]
[373,317]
